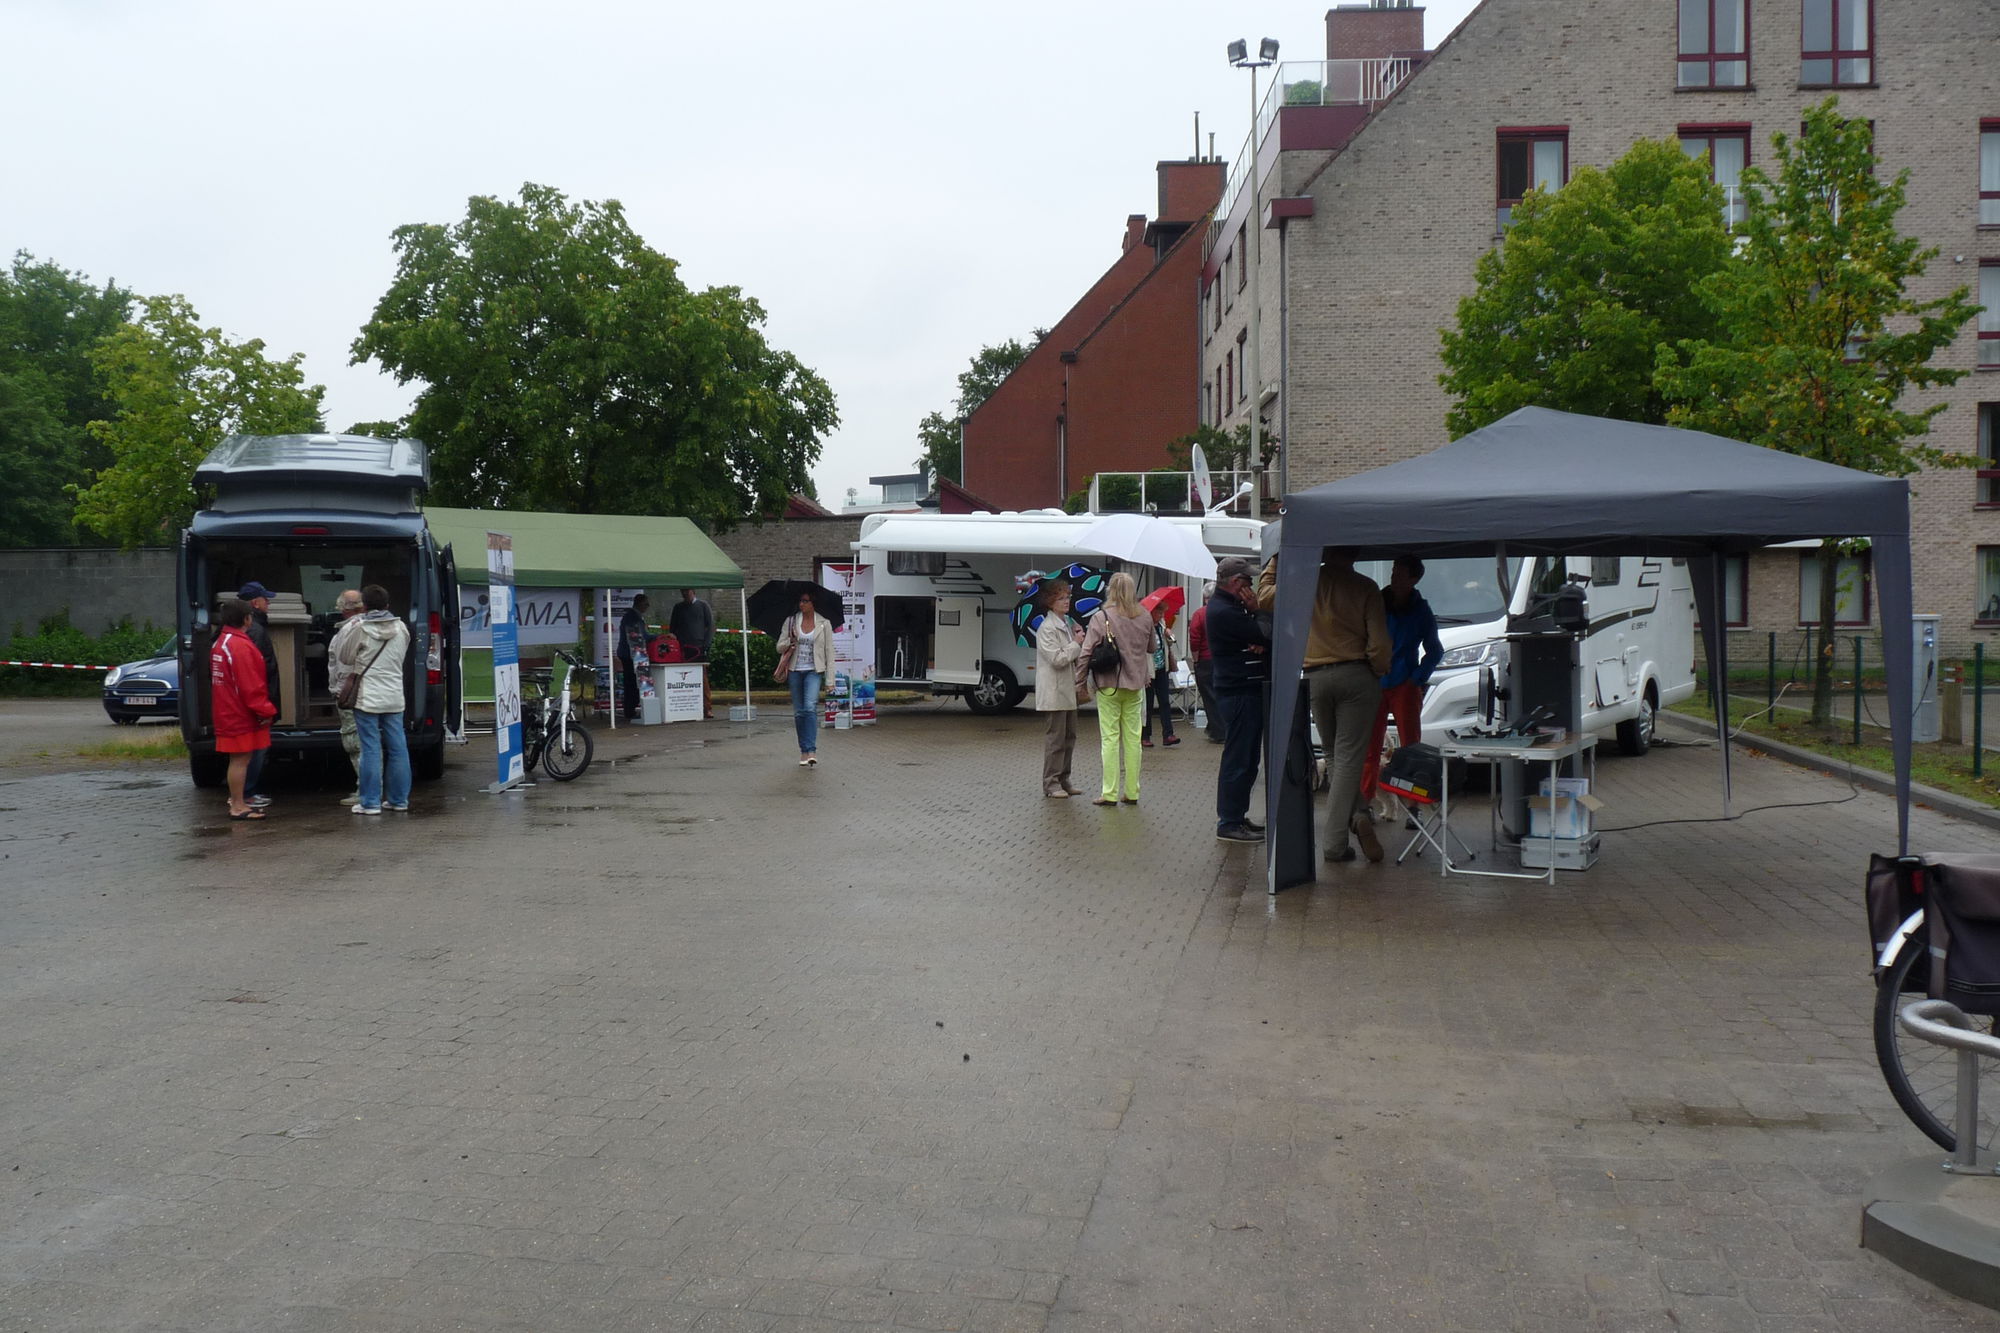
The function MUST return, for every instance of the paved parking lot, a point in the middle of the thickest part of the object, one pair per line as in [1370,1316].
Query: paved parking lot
[708,1041]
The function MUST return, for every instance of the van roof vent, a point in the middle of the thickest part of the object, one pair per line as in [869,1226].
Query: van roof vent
[349,462]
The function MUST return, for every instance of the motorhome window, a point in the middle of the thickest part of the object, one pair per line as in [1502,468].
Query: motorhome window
[1461,590]
[927,563]
[1604,571]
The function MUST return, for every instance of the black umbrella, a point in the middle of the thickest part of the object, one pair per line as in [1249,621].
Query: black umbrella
[779,598]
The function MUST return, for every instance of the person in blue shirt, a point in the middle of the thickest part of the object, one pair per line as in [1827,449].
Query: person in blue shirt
[1413,630]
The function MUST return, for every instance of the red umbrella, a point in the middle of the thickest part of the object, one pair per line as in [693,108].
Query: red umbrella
[1173,597]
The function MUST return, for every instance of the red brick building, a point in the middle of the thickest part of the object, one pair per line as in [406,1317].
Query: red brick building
[1118,376]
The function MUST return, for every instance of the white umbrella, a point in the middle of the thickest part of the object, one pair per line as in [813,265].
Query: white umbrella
[1145,540]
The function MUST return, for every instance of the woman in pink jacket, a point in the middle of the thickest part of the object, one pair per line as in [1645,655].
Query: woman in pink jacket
[1121,693]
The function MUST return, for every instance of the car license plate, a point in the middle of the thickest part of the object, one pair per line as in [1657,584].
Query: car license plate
[138,700]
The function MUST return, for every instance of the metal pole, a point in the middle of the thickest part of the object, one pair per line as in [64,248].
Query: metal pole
[743,608]
[1254,224]
[1967,1153]
[611,656]
[1978,706]
[1771,681]
[1857,689]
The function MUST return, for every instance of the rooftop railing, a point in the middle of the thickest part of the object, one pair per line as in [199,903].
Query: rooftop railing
[1314,83]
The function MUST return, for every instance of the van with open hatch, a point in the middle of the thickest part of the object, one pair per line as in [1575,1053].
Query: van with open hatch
[306,516]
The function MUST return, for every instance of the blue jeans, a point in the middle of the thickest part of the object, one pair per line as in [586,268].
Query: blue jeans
[382,734]
[1242,745]
[805,708]
[253,777]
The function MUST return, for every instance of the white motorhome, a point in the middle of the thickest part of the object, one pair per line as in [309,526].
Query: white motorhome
[943,596]
[1638,657]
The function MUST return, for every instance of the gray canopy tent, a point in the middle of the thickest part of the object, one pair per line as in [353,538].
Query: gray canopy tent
[1541,482]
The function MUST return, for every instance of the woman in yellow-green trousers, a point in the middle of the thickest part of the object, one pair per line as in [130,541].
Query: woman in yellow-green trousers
[1121,691]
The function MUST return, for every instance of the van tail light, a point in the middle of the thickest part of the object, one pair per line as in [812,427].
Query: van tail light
[434,657]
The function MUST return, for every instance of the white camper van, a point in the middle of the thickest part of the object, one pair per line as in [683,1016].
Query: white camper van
[1638,657]
[941,592]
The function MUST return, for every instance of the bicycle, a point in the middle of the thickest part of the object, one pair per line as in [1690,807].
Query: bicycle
[1922,1076]
[553,736]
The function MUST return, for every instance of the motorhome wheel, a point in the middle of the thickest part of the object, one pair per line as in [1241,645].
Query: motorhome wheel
[1635,735]
[996,691]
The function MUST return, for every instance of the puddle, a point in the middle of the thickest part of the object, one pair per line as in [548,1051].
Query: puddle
[140,785]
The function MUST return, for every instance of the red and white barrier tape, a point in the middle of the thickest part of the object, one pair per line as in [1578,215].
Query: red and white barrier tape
[54,666]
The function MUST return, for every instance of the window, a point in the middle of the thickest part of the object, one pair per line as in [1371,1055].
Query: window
[929,564]
[1989,315]
[1215,302]
[1229,381]
[1837,45]
[1604,571]
[1728,149]
[1243,363]
[1715,44]
[1850,606]
[1207,295]
[1530,160]
[1228,292]
[1988,606]
[1989,453]
[1242,267]
[1989,173]
[1736,591]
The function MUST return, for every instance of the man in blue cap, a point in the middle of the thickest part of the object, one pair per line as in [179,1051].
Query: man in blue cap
[258,627]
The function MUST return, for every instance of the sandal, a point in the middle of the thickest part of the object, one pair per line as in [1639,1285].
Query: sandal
[248,814]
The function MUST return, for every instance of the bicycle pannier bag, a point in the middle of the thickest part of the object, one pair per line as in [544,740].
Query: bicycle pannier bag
[1962,913]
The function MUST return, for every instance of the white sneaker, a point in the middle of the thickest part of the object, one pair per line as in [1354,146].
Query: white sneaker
[391,805]
[353,798]
[257,802]
[366,810]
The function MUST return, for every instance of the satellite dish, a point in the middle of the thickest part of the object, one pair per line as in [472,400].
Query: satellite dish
[1204,489]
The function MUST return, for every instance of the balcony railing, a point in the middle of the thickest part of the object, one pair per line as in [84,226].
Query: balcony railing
[1164,492]
[1314,83]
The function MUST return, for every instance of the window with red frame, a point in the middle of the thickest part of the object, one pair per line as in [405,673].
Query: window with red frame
[1989,454]
[1837,43]
[1728,149]
[1989,314]
[1989,173]
[1229,381]
[1243,360]
[1987,608]
[1242,267]
[1715,44]
[1851,589]
[1529,159]
[1736,591]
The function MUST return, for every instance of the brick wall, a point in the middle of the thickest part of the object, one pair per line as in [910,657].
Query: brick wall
[784,549]
[1403,214]
[96,586]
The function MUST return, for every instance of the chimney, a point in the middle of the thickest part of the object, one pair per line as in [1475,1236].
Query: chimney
[1135,231]
[1189,189]
[1374,31]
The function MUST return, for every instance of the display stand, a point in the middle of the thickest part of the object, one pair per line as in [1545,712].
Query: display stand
[677,690]
[1527,751]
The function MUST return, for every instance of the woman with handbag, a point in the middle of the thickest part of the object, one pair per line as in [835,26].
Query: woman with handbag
[239,702]
[1058,687]
[1119,649]
[805,655]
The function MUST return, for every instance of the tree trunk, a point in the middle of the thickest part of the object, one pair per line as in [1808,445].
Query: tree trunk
[1829,603]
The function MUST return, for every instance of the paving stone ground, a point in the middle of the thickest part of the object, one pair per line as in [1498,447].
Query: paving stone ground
[708,1041]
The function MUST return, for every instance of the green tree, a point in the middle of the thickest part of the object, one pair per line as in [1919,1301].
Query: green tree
[1819,338]
[567,367]
[179,390]
[1590,280]
[50,318]
[938,433]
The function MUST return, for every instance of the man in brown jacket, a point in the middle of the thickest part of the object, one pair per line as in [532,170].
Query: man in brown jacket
[1347,654]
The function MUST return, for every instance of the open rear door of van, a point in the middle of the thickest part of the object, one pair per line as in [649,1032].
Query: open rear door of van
[451,631]
[957,641]
[196,636]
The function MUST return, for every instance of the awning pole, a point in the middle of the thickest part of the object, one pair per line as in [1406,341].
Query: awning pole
[610,633]
[743,608]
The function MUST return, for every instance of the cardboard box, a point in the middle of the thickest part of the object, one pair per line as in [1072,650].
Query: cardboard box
[1572,809]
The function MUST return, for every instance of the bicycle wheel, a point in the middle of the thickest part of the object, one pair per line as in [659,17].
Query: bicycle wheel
[568,753]
[1923,1077]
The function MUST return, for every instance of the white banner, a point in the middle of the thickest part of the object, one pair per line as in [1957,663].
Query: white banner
[609,613]
[541,615]
[853,680]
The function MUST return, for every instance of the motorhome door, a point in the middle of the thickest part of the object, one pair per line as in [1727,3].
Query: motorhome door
[957,643]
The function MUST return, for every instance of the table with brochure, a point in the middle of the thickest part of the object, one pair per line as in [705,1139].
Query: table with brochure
[1562,832]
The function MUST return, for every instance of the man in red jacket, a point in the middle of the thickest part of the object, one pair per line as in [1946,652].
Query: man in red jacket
[239,702]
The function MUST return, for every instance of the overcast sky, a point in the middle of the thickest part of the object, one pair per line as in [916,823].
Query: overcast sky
[898,184]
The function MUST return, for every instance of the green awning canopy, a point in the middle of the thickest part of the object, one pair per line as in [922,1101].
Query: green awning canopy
[586,550]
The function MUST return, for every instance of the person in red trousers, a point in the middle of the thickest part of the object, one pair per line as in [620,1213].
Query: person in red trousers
[239,702]
[1414,654]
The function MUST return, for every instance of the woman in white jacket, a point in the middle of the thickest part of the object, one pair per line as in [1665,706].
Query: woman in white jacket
[1058,648]
[373,645]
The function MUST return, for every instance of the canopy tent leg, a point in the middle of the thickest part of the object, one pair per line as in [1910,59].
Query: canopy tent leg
[1711,607]
[1891,557]
[743,608]
[611,656]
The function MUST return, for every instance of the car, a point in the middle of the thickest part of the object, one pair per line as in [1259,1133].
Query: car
[150,687]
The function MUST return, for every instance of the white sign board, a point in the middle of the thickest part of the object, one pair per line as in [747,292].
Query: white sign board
[541,615]
[679,687]
[506,660]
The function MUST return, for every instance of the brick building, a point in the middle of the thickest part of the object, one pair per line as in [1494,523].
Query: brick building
[1117,377]
[1371,226]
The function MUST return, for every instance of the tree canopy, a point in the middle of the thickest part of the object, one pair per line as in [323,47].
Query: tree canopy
[937,433]
[1819,340]
[178,390]
[1590,280]
[566,366]
[50,318]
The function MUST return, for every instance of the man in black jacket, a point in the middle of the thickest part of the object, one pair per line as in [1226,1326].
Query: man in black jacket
[1240,651]
[258,627]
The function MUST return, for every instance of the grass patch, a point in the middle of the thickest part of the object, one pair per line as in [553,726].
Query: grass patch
[169,746]
[1946,767]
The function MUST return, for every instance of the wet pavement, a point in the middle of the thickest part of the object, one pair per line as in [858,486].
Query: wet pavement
[708,1041]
